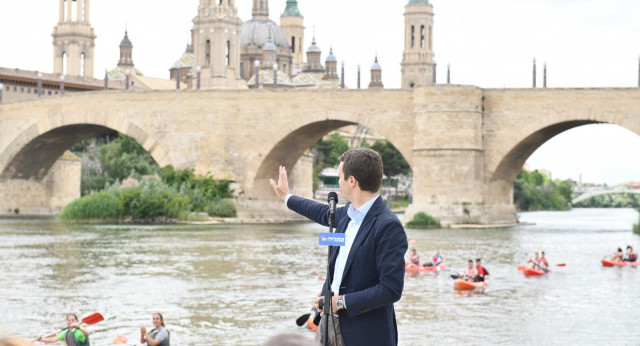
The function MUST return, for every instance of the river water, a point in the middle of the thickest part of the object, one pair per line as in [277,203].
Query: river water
[241,284]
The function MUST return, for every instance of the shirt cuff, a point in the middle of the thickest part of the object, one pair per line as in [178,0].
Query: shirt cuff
[344,301]
[286,199]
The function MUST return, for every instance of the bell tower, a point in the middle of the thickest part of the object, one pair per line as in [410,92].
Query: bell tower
[73,40]
[292,22]
[417,57]
[216,44]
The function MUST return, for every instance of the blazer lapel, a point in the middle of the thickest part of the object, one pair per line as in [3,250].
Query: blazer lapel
[363,231]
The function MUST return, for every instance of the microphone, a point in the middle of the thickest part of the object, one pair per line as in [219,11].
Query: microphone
[333,200]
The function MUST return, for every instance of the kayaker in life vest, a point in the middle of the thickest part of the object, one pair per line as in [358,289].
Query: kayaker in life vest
[482,271]
[75,334]
[414,259]
[631,256]
[469,273]
[535,261]
[618,256]
[544,262]
[158,336]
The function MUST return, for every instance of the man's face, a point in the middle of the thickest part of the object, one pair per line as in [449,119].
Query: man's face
[345,187]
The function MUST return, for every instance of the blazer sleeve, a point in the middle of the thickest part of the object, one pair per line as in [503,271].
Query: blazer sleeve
[312,210]
[391,245]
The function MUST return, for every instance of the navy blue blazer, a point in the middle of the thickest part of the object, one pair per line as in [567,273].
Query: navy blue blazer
[373,276]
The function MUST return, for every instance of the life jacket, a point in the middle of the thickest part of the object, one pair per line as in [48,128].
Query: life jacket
[71,340]
[633,257]
[165,342]
[482,271]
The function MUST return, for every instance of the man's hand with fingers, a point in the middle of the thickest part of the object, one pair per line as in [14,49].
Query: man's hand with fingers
[281,188]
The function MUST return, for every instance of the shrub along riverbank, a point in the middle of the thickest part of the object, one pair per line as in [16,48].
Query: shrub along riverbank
[122,183]
[174,195]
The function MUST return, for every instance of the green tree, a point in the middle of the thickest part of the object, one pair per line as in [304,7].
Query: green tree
[393,162]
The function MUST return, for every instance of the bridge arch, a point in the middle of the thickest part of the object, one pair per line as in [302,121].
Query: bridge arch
[289,148]
[517,122]
[35,149]
[593,193]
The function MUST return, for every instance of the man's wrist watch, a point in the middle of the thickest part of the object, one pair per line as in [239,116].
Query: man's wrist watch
[340,303]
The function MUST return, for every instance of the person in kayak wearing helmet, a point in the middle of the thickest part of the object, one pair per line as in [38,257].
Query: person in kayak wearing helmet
[436,260]
[483,273]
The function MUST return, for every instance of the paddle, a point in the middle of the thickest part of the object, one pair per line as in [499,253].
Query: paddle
[91,319]
[302,319]
[455,276]
[561,264]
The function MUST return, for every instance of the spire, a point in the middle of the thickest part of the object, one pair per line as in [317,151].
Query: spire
[260,9]
[125,41]
[292,9]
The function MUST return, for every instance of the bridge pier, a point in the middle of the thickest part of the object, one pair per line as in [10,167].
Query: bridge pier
[44,197]
[448,157]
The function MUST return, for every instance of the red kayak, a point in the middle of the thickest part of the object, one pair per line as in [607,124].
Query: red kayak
[425,268]
[468,285]
[607,263]
[534,272]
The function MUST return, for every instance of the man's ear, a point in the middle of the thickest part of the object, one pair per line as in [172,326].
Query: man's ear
[353,181]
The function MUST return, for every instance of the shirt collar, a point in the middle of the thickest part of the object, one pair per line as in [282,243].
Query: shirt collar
[357,215]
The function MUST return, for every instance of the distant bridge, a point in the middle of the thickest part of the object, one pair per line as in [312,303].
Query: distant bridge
[593,193]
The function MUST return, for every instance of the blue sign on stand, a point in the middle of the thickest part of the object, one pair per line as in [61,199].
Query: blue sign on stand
[332,239]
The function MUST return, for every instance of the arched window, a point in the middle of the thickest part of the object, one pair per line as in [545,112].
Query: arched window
[430,37]
[207,53]
[65,14]
[74,10]
[261,5]
[84,10]
[228,53]
[422,36]
[242,70]
[293,44]
[413,36]
[82,64]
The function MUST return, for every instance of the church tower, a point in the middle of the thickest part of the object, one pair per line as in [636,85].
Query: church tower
[376,75]
[292,22]
[417,58]
[126,52]
[331,66]
[216,44]
[73,40]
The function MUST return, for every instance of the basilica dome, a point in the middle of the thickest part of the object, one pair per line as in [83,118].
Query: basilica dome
[255,32]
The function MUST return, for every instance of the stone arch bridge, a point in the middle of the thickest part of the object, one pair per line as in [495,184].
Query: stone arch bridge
[465,145]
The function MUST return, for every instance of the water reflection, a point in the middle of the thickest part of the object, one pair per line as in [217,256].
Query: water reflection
[242,284]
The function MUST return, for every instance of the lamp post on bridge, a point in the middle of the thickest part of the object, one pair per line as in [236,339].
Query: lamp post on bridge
[61,84]
[257,65]
[106,80]
[275,76]
[1,91]
[39,84]
[127,78]
[199,70]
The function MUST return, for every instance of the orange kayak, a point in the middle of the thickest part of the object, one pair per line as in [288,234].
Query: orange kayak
[468,285]
[534,272]
[607,263]
[425,268]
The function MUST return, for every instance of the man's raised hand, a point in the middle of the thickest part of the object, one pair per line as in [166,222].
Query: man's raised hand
[282,187]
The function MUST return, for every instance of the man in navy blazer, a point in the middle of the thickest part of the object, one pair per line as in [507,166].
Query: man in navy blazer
[368,272]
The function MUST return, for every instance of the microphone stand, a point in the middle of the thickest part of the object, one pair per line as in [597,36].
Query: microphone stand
[328,294]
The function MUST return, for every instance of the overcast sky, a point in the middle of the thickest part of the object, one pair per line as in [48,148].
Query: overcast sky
[489,43]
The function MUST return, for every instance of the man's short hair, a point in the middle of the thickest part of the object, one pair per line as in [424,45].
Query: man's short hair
[365,165]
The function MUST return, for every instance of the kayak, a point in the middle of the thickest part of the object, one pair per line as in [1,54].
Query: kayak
[607,263]
[425,268]
[468,285]
[534,272]
[310,323]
